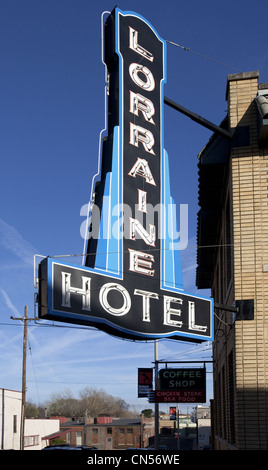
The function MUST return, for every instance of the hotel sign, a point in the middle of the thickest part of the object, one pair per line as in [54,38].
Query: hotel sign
[131,284]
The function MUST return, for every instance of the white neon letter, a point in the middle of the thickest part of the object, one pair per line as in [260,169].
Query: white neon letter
[139,134]
[136,226]
[146,296]
[168,311]
[67,290]
[142,200]
[138,70]
[191,319]
[103,296]
[141,168]
[141,262]
[139,102]
[133,44]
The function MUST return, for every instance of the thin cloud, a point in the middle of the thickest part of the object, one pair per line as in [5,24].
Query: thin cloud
[11,239]
[188,260]
[9,304]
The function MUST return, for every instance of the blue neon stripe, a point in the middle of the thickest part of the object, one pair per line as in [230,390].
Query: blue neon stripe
[109,249]
[171,271]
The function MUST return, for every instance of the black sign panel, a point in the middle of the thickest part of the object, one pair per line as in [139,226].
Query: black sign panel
[172,413]
[83,295]
[131,284]
[177,396]
[182,379]
[145,382]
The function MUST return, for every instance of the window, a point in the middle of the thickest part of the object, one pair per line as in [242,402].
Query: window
[79,438]
[31,441]
[129,430]
[121,430]
[15,424]
[109,430]
[95,436]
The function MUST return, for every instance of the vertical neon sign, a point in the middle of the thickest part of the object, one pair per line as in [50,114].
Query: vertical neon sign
[131,284]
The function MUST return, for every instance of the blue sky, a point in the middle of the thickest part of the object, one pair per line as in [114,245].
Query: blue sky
[52,111]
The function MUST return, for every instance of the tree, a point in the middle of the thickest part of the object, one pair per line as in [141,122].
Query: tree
[91,403]
[57,442]
[98,402]
[148,413]
[64,405]
[31,410]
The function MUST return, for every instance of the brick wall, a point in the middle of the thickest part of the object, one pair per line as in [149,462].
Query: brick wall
[250,232]
[107,437]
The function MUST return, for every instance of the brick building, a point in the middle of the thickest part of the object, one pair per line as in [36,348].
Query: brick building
[109,433]
[71,432]
[232,261]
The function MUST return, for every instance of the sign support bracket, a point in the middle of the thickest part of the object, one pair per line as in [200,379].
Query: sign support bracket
[199,119]
[244,309]
[228,308]
[183,362]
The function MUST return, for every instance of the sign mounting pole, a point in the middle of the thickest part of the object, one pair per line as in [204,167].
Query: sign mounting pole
[156,405]
[178,426]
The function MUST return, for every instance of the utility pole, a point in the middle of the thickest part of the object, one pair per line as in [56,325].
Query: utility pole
[156,405]
[178,427]
[23,398]
[25,320]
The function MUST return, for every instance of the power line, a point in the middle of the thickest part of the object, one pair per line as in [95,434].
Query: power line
[189,247]
[35,378]
[187,49]
[81,383]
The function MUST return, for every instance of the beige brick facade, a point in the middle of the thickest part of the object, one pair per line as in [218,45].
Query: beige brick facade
[250,238]
[240,272]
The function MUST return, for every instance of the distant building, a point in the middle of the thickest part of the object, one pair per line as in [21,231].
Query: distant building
[36,430]
[71,432]
[201,412]
[168,426]
[117,433]
[10,424]
[201,416]
[233,262]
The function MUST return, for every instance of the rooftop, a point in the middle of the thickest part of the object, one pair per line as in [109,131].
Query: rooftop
[119,422]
